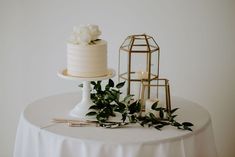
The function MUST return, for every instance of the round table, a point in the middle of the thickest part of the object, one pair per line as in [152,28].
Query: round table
[37,138]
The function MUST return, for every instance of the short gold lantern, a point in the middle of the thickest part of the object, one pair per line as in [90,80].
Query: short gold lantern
[133,51]
[164,97]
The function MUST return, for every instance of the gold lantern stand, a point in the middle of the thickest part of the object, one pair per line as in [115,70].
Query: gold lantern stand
[139,44]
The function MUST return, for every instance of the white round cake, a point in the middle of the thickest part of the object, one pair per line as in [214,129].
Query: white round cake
[87,60]
[86,54]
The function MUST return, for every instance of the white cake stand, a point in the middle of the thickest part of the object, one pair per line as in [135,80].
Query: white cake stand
[82,108]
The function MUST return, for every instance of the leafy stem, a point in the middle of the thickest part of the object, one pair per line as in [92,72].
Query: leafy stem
[108,102]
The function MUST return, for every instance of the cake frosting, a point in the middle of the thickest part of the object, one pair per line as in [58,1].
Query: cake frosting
[86,54]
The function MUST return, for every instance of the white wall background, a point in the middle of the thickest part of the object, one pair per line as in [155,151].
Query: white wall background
[197,41]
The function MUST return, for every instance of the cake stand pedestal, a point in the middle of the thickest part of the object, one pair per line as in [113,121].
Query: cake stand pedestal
[82,108]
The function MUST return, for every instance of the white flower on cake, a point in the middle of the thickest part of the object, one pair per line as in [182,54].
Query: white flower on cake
[85,34]
[94,31]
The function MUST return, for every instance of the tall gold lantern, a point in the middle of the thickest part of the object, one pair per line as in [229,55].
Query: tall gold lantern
[133,51]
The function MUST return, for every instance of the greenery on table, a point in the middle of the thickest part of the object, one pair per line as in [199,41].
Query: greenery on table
[108,102]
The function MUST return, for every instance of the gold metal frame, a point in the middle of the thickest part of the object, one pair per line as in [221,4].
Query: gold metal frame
[165,84]
[141,40]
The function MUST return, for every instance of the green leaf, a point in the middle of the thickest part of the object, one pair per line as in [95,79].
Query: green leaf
[107,87]
[115,91]
[121,105]
[176,124]
[138,106]
[154,106]
[133,119]
[158,109]
[152,116]
[92,113]
[174,116]
[98,86]
[118,109]
[171,118]
[173,110]
[187,128]
[101,118]
[94,107]
[159,126]
[114,94]
[120,85]
[144,120]
[187,124]
[111,83]
[124,115]
[109,94]
[161,113]
[104,113]
[134,107]
[93,83]
[142,124]
[92,96]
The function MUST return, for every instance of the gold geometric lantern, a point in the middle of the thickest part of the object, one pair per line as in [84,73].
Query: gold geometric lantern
[138,60]
[160,84]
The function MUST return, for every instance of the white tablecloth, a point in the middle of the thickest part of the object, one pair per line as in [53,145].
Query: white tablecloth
[60,140]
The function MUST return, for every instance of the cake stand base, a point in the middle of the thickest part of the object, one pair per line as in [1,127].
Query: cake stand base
[82,108]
